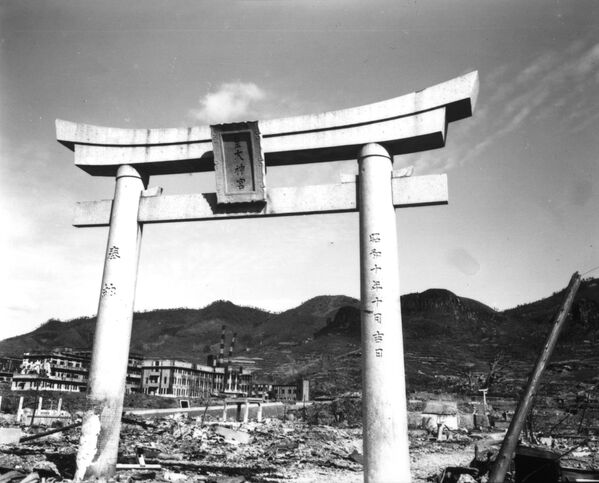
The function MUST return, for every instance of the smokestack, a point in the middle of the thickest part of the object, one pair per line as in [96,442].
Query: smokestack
[231,346]
[221,354]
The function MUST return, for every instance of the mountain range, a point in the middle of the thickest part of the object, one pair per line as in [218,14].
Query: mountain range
[451,343]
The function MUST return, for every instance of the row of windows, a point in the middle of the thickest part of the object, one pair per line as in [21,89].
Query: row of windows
[62,362]
[46,386]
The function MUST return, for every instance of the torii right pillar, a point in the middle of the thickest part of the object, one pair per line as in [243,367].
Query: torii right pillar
[385,421]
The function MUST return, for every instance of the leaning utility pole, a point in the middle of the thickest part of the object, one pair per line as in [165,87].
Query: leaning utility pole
[513,433]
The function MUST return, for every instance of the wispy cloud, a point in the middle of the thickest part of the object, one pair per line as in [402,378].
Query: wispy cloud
[232,101]
[557,85]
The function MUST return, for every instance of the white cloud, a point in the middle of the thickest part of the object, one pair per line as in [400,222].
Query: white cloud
[233,101]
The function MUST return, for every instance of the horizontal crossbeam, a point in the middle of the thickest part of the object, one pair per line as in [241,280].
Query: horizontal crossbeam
[405,124]
[403,135]
[332,198]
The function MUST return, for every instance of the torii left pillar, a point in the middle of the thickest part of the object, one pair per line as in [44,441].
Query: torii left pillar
[96,458]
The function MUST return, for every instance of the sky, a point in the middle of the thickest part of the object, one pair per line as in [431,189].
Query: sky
[522,172]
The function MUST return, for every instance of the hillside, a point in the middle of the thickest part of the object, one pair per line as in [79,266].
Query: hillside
[450,341]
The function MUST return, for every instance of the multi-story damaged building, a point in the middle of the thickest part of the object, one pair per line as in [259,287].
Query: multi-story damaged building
[170,377]
[67,370]
[51,371]
[64,370]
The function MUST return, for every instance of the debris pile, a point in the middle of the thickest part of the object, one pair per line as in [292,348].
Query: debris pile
[182,449]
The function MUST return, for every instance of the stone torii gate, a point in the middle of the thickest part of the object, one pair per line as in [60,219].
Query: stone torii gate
[240,153]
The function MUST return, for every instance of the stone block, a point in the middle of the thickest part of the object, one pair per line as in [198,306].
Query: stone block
[10,435]
[232,435]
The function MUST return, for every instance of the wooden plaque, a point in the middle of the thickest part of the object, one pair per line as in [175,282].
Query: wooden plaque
[238,163]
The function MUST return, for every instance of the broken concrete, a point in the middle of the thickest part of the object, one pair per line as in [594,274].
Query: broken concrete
[10,435]
[233,436]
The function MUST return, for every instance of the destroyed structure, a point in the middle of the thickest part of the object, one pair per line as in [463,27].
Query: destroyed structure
[291,392]
[169,377]
[65,370]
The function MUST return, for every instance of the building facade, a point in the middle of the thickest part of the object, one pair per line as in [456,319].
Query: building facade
[64,370]
[51,371]
[298,392]
[170,377]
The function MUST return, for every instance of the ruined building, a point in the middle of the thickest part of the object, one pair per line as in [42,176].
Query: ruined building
[65,370]
[170,377]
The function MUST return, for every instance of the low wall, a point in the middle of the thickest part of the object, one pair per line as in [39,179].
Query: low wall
[44,417]
[269,410]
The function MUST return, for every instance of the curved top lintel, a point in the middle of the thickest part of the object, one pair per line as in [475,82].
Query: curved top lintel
[457,95]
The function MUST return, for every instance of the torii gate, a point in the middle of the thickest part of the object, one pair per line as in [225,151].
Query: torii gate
[240,153]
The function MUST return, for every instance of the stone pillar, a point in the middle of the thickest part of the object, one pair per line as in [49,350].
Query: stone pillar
[259,415]
[39,404]
[20,409]
[385,421]
[59,406]
[238,415]
[246,411]
[0,404]
[97,455]
[225,411]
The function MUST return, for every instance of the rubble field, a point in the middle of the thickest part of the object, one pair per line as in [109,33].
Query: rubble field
[225,452]
[313,447]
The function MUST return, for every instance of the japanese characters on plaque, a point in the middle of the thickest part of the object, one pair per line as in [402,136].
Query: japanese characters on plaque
[376,287]
[238,163]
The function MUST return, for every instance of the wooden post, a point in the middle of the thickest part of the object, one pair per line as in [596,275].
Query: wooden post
[385,419]
[510,441]
[20,409]
[97,455]
[246,411]
[37,390]
[259,415]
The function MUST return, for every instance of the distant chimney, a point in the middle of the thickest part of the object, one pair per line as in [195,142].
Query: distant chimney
[221,354]
[231,346]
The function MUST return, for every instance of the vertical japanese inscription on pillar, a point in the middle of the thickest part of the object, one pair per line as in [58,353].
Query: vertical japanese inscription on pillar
[108,288]
[376,287]
[238,163]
